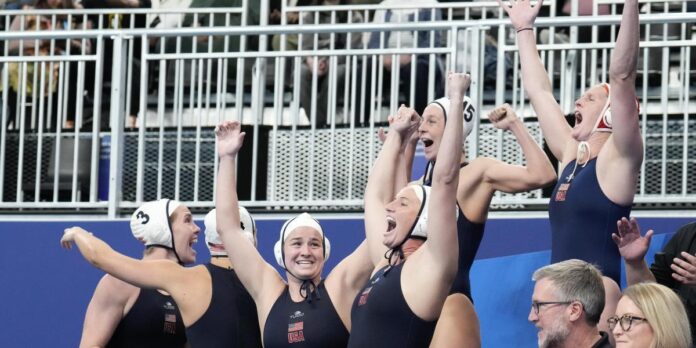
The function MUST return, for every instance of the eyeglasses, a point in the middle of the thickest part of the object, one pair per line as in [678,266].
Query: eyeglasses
[536,305]
[625,321]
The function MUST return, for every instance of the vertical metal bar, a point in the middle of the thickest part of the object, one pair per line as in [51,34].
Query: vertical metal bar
[117,122]
[96,119]
[22,111]
[263,44]
[161,104]
[40,135]
[3,126]
[500,63]
[685,107]
[664,101]
[477,51]
[142,118]
[77,123]
[295,113]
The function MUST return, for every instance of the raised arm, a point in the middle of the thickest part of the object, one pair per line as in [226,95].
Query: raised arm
[535,78]
[514,178]
[435,263]
[153,274]
[380,183]
[258,277]
[441,246]
[105,311]
[622,77]
[633,248]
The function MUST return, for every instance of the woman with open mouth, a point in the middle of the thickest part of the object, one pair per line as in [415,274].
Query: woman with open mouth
[207,296]
[478,182]
[599,158]
[412,238]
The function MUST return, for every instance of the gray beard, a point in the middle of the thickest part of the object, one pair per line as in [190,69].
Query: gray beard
[556,336]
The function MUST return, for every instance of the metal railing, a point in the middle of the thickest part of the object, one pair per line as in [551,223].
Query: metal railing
[291,159]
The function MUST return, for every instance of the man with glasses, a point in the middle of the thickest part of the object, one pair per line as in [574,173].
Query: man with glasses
[567,303]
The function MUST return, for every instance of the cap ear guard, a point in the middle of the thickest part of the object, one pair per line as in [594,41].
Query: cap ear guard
[469,114]
[604,121]
[301,220]
[212,238]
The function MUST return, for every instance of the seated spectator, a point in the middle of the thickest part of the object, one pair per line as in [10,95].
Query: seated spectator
[405,40]
[674,266]
[219,43]
[567,302]
[323,63]
[650,315]
[116,21]
[31,84]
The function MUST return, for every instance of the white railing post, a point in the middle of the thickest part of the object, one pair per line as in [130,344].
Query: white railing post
[117,119]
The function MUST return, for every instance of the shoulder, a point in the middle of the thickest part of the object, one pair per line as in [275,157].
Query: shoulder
[115,290]
[476,168]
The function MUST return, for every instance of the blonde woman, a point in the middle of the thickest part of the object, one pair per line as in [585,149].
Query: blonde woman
[650,315]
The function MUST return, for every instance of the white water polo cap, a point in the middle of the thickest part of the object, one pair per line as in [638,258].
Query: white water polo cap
[302,220]
[420,226]
[212,238]
[150,223]
[469,115]
[603,123]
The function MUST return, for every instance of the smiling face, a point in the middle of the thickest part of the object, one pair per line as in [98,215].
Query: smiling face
[304,253]
[401,214]
[185,233]
[587,110]
[431,130]
[640,334]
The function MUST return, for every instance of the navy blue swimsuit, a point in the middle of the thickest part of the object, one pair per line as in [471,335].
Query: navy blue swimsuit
[583,219]
[381,317]
[153,321]
[231,319]
[469,235]
[304,324]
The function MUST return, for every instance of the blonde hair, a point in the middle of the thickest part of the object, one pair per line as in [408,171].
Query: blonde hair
[665,313]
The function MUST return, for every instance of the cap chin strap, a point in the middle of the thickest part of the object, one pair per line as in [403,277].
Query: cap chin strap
[308,290]
[171,231]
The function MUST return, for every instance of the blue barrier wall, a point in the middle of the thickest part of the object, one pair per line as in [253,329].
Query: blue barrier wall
[46,289]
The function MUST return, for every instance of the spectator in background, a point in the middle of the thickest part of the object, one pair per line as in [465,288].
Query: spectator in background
[674,266]
[41,105]
[567,302]
[116,21]
[218,43]
[322,64]
[406,39]
[291,41]
[650,315]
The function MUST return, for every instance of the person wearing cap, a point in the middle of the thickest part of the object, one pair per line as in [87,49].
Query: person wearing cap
[122,315]
[599,158]
[412,238]
[478,182]
[215,309]
[307,311]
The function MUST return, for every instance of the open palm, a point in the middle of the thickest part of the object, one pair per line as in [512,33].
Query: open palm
[522,14]
[632,246]
[229,138]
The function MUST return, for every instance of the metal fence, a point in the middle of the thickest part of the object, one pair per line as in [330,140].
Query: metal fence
[311,106]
